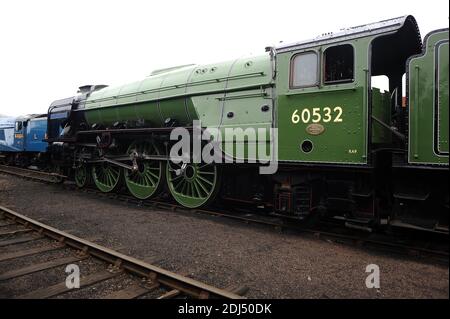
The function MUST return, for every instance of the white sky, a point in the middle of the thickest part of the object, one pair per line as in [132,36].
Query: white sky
[48,48]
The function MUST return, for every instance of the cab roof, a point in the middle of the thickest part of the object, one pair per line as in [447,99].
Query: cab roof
[361,31]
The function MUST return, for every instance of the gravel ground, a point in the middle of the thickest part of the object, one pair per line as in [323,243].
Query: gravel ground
[223,252]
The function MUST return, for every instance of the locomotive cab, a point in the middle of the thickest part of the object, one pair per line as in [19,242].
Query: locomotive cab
[28,144]
[327,107]
[19,136]
[58,115]
[331,116]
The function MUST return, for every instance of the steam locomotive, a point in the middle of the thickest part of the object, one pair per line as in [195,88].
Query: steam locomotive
[343,149]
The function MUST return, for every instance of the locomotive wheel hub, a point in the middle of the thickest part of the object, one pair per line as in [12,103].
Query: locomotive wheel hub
[141,166]
[190,172]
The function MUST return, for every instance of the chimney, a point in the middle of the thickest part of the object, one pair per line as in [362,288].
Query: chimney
[86,89]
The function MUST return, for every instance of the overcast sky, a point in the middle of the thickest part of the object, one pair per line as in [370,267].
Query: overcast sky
[49,48]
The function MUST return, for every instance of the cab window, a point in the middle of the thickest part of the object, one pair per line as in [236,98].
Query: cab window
[338,64]
[18,126]
[304,70]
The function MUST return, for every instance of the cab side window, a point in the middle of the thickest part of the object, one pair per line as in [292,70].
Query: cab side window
[338,65]
[18,126]
[304,70]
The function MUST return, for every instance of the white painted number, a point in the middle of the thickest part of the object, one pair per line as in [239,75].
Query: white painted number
[295,118]
[325,115]
[316,115]
[338,110]
[306,115]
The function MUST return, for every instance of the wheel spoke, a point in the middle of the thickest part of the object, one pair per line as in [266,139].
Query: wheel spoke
[205,180]
[148,180]
[206,173]
[183,183]
[105,176]
[199,194]
[114,173]
[202,186]
[109,180]
[177,185]
[176,178]
[81,176]
[152,174]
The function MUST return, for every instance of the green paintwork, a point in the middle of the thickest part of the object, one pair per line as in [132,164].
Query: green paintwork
[428,138]
[145,182]
[381,109]
[243,86]
[106,176]
[194,187]
[341,142]
[206,93]
[443,98]
[182,94]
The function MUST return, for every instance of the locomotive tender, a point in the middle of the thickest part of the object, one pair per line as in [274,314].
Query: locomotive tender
[345,150]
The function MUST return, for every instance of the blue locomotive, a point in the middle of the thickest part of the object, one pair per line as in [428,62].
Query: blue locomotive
[6,135]
[22,140]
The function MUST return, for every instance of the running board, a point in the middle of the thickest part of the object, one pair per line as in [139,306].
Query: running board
[436,229]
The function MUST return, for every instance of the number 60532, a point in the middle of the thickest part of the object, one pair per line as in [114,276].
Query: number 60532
[317,114]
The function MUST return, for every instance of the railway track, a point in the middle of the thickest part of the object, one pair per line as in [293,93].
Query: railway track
[403,245]
[143,279]
[31,174]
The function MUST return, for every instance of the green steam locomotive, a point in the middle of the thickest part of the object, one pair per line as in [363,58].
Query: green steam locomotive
[332,145]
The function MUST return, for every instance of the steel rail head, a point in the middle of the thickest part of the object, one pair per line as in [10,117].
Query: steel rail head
[12,168]
[34,175]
